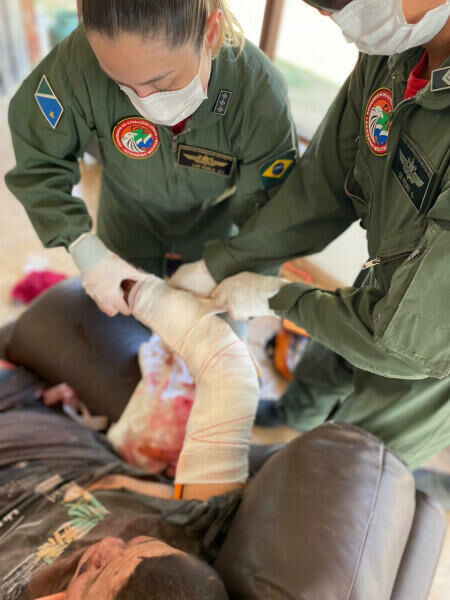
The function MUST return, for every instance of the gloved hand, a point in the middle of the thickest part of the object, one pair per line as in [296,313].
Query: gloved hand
[102,272]
[247,295]
[194,277]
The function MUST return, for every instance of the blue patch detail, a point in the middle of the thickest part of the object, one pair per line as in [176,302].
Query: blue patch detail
[51,108]
[278,169]
[146,145]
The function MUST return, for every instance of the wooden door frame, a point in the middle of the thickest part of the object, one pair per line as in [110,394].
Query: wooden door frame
[271,27]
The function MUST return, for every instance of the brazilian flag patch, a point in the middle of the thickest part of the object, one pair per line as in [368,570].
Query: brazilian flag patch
[274,172]
[50,106]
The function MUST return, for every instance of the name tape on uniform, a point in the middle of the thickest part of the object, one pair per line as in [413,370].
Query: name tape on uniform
[414,173]
[50,106]
[206,160]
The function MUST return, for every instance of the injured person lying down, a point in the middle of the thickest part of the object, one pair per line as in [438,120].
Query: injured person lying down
[78,523]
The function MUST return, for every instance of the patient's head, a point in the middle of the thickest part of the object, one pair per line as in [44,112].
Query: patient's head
[142,568]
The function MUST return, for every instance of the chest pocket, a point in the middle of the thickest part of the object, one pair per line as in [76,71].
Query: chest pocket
[412,321]
[208,175]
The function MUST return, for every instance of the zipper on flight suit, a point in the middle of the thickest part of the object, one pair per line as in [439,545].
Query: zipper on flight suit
[173,146]
[174,142]
[379,260]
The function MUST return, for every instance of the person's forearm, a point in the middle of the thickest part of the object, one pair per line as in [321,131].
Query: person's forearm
[117,482]
[343,321]
[214,458]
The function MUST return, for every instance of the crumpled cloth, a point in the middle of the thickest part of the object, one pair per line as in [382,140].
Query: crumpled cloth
[34,284]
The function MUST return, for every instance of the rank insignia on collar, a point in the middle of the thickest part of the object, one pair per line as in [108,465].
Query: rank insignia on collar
[50,106]
[440,79]
[222,102]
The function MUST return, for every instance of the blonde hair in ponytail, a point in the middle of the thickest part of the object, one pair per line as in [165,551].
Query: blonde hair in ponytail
[232,34]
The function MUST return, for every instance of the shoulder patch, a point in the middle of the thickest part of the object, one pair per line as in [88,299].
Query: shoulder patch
[50,106]
[274,172]
[222,102]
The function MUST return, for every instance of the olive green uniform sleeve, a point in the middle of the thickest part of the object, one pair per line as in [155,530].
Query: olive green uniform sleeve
[311,209]
[402,333]
[265,140]
[47,166]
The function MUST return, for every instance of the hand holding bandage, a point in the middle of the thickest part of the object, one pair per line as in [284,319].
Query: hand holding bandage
[247,295]
[218,432]
[102,273]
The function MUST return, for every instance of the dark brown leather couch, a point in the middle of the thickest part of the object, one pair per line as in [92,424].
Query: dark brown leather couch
[337,514]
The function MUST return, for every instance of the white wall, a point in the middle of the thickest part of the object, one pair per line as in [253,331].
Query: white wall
[250,14]
[14,59]
[314,42]
[344,257]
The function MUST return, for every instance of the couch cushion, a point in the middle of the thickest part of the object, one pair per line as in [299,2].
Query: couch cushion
[5,335]
[327,517]
[64,337]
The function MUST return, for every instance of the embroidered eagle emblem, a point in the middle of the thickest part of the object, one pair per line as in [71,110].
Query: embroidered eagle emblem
[410,169]
[205,161]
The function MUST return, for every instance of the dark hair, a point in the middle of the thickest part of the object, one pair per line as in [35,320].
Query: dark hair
[173,577]
[178,21]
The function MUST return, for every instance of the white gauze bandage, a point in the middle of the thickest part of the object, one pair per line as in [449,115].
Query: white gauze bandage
[219,429]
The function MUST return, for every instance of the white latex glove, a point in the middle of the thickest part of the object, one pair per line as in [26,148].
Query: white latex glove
[102,272]
[247,295]
[194,277]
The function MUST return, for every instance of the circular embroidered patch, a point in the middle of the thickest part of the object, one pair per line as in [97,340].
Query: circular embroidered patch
[136,138]
[377,121]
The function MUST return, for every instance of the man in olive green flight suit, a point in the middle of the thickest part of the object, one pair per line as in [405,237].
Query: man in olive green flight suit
[163,191]
[380,358]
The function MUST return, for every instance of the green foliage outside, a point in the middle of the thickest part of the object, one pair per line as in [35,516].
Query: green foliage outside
[310,96]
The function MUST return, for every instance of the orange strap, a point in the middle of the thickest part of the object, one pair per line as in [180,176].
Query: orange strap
[281,353]
[292,267]
[293,328]
[178,493]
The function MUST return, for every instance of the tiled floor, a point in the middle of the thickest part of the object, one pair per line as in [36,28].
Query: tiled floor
[19,247]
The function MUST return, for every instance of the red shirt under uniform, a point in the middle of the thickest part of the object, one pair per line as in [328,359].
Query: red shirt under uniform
[179,127]
[416,81]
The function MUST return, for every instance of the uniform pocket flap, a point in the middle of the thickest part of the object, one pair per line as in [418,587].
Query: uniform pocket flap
[412,320]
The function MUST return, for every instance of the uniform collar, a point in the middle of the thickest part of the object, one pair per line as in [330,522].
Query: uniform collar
[224,75]
[436,95]
[432,96]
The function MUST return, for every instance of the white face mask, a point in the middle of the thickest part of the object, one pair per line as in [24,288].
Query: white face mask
[170,108]
[379,26]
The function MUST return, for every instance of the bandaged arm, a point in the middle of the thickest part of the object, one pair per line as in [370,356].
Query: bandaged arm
[215,450]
